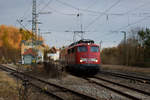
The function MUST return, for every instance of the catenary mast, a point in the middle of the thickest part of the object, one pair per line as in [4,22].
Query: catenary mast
[34,19]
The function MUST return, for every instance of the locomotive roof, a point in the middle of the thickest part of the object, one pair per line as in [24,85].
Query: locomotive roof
[82,41]
[83,44]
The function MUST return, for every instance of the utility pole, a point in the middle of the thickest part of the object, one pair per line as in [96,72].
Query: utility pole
[81,32]
[100,45]
[75,33]
[78,33]
[125,48]
[34,19]
[35,22]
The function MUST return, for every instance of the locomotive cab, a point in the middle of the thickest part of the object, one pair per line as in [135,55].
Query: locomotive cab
[84,58]
[88,58]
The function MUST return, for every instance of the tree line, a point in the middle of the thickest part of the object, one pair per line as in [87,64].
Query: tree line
[10,40]
[134,51]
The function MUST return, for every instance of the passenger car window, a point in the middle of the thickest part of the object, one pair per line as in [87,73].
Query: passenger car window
[82,49]
[94,49]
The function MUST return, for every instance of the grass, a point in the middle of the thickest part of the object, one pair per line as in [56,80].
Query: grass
[140,70]
[8,87]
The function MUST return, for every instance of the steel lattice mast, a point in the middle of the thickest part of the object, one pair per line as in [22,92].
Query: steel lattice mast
[34,19]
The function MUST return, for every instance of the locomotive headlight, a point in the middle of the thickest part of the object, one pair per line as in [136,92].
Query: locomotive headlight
[83,59]
[94,59]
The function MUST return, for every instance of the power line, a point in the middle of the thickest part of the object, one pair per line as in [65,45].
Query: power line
[20,22]
[129,11]
[134,23]
[95,2]
[67,14]
[136,8]
[66,4]
[62,13]
[41,2]
[102,14]
[76,8]
[46,5]
[27,11]
[126,26]
[97,12]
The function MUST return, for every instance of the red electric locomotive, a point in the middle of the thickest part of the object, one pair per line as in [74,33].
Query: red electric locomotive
[82,57]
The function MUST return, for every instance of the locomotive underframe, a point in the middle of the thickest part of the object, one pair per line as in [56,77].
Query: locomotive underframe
[84,69]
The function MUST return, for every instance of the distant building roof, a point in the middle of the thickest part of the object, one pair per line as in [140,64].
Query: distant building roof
[37,42]
[30,51]
[53,50]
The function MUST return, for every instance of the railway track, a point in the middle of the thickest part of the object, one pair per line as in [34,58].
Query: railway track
[126,91]
[40,83]
[125,76]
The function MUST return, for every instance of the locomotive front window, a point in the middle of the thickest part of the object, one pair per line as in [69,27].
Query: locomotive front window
[94,49]
[82,49]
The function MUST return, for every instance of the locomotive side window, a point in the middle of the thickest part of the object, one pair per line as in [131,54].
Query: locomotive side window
[82,49]
[69,51]
[73,50]
[94,49]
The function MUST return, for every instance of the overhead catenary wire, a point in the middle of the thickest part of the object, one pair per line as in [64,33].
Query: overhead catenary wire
[40,2]
[64,3]
[138,21]
[93,21]
[76,8]
[129,11]
[60,12]
[133,23]
[94,3]
[110,34]
[92,11]
[147,3]
[46,5]
[26,13]
[121,14]
[128,18]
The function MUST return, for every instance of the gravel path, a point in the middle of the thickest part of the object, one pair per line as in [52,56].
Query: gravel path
[82,85]
[131,83]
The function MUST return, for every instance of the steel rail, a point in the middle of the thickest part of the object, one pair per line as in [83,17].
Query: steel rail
[85,96]
[139,79]
[41,89]
[32,84]
[125,86]
[47,92]
[114,90]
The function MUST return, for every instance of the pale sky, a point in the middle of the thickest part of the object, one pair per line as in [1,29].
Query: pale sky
[100,18]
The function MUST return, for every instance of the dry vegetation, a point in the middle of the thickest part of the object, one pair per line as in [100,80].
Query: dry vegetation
[145,71]
[11,89]
[10,40]
[8,87]
[46,70]
[134,51]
